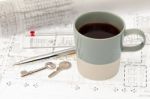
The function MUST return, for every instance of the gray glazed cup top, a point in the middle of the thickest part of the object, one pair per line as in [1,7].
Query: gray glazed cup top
[107,50]
[100,17]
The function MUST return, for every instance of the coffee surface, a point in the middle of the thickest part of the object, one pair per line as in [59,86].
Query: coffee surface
[99,30]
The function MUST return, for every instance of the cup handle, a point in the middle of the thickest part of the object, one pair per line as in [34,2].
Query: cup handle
[136,47]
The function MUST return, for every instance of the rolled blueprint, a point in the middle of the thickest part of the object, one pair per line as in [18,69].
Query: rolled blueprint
[17,16]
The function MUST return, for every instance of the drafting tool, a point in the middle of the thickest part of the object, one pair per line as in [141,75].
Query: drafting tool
[48,55]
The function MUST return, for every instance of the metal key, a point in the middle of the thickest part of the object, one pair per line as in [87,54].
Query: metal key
[62,66]
[48,65]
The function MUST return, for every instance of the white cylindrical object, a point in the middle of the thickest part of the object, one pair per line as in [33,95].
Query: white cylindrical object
[98,72]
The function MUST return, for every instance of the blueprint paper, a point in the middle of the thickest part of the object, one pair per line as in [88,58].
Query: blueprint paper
[132,80]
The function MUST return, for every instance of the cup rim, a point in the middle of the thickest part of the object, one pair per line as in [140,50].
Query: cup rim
[121,31]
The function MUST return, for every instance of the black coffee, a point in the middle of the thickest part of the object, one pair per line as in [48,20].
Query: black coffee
[98,30]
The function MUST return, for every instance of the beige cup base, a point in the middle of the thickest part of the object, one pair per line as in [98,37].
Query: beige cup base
[98,72]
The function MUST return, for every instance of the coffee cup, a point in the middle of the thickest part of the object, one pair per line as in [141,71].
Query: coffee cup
[99,42]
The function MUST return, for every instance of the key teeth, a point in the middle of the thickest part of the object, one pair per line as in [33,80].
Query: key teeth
[23,73]
[52,74]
